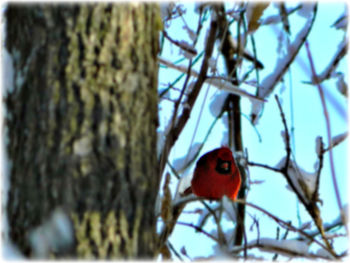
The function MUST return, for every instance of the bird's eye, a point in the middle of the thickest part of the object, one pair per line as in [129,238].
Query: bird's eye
[223,167]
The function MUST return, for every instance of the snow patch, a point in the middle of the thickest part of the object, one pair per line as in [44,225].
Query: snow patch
[306,10]
[225,85]
[229,209]
[324,253]
[160,142]
[225,135]
[181,164]
[54,235]
[212,64]
[11,252]
[339,138]
[304,182]
[192,35]
[184,183]
[269,82]
[166,9]
[342,87]
[319,145]
[257,107]
[217,103]
[187,50]
[7,71]
[82,147]
[269,244]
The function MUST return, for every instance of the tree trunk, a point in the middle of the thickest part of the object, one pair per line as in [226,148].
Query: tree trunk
[81,123]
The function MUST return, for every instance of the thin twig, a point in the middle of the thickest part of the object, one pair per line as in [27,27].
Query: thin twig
[228,49]
[280,249]
[284,17]
[174,251]
[327,227]
[222,85]
[199,117]
[182,45]
[221,236]
[184,71]
[288,148]
[265,166]
[174,133]
[337,142]
[269,83]
[199,229]
[328,125]
[195,156]
[310,205]
[341,52]
[173,121]
[274,19]
[282,223]
[314,197]
[286,225]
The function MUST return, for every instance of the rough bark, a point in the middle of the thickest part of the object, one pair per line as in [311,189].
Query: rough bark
[81,123]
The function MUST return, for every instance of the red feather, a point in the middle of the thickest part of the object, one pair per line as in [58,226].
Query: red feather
[216,175]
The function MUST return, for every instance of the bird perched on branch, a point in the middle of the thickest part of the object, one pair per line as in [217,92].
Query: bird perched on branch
[216,174]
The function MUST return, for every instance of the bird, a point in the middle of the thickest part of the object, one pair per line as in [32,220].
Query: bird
[216,174]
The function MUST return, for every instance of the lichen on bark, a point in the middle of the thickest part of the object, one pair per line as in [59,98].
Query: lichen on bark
[83,125]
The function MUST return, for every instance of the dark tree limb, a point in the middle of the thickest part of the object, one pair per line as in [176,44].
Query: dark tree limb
[181,121]
[234,111]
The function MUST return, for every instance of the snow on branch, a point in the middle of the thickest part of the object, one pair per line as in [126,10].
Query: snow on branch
[329,136]
[327,72]
[183,45]
[327,226]
[221,84]
[225,85]
[269,83]
[337,140]
[304,182]
[217,103]
[288,248]
[289,226]
[274,19]
[342,87]
[182,163]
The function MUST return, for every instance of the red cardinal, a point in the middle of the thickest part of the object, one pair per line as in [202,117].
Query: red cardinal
[216,175]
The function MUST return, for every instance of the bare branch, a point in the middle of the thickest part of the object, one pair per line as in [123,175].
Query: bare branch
[199,229]
[182,119]
[336,140]
[269,83]
[284,16]
[279,248]
[174,251]
[315,197]
[327,227]
[287,144]
[287,225]
[327,72]
[328,125]
[219,82]
[184,46]
[265,166]
[309,204]
[274,19]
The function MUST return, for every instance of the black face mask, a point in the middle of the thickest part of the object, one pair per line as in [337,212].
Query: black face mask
[223,167]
